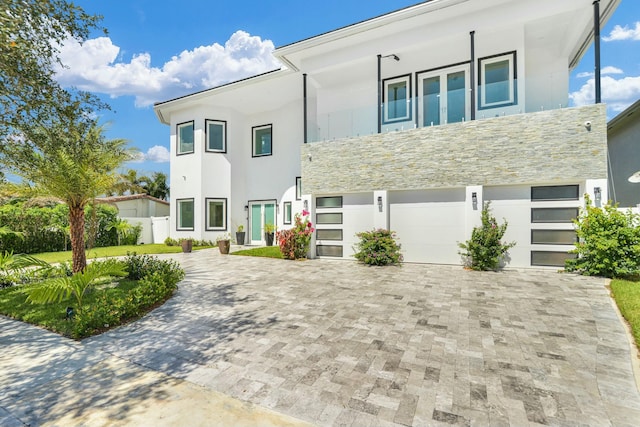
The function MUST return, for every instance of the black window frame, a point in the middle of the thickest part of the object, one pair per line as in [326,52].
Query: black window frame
[253,140]
[390,80]
[224,200]
[178,216]
[206,135]
[178,138]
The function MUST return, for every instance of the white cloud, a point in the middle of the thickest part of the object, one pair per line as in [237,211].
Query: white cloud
[623,33]
[158,154]
[94,66]
[605,71]
[617,94]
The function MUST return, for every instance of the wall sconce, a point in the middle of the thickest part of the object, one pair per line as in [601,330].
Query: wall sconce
[597,193]
[306,205]
[380,203]
[474,200]
[277,208]
[246,208]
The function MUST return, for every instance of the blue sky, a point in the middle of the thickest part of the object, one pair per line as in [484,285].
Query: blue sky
[156,50]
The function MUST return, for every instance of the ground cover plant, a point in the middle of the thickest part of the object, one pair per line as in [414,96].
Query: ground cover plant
[265,252]
[609,242]
[377,247]
[98,299]
[486,250]
[627,296]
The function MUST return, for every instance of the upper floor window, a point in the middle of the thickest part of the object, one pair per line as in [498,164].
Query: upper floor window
[262,140]
[397,99]
[498,80]
[185,214]
[216,135]
[185,132]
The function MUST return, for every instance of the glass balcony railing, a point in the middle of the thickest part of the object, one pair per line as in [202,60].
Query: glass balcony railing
[424,111]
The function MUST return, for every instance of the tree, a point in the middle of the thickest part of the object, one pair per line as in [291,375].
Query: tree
[129,182]
[68,158]
[121,226]
[30,33]
[156,185]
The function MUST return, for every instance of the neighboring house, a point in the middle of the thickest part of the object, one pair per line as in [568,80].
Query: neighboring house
[623,133]
[150,212]
[408,121]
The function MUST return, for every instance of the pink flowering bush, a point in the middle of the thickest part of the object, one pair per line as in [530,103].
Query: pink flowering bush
[294,243]
[485,250]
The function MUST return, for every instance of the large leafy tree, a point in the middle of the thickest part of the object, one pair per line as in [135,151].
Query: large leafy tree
[128,182]
[69,158]
[31,32]
[156,185]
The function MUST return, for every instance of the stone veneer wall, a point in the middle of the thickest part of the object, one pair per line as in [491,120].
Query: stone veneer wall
[543,147]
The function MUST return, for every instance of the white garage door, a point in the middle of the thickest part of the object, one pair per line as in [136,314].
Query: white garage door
[429,224]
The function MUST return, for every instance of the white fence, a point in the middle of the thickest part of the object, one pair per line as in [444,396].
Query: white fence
[154,229]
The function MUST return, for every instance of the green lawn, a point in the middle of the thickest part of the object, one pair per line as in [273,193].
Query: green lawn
[627,296]
[266,252]
[111,251]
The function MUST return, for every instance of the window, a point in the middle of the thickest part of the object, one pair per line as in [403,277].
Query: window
[298,188]
[555,192]
[287,212]
[550,259]
[216,215]
[325,234]
[539,215]
[397,99]
[329,250]
[329,218]
[497,80]
[216,131]
[185,214]
[262,141]
[329,202]
[185,138]
[554,237]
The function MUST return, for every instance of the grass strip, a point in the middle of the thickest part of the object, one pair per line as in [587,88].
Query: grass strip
[265,252]
[627,295]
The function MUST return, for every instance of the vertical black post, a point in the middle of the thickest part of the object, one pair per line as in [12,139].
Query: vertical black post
[304,96]
[472,74]
[379,93]
[596,39]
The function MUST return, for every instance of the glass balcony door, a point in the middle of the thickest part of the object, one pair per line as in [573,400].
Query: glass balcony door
[444,96]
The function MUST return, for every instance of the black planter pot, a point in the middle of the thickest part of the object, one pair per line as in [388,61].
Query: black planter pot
[269,238]
[240,237]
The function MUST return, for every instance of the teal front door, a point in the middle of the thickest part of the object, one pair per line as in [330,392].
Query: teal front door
[262,213]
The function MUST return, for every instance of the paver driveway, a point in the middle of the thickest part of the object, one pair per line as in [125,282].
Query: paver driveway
[337,343]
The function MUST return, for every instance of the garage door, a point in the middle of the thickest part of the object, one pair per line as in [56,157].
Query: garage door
[429,224]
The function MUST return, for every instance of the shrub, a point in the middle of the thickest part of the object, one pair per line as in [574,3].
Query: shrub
[158,281]
[294,243]
[609,242]
[170,242]
[485,250]
[378,247]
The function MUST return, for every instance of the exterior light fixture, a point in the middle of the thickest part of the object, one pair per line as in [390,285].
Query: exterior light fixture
[392,55]
[380,203]
[635,178]
[597,193]
[306,205]
[246,208]
[474,200]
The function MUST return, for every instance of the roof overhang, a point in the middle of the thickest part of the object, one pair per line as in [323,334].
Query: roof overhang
[626,115]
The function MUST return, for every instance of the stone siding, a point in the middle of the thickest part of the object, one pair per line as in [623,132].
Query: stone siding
[543,147]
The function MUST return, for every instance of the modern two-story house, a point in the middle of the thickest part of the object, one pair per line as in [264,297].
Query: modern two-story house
[409,121]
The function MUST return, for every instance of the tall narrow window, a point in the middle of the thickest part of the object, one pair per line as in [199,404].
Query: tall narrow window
[216,214]
[216,131]
[298,188]
[397,99]
[287,212]
[498,80]
[262,140]
[185,214]
[184,132]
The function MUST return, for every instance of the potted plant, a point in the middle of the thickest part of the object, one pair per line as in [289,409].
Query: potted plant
[240,235]
[187,245]
[269,230]
[224,243]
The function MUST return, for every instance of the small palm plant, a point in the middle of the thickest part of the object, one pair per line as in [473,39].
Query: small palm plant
[59,289]
[122,228]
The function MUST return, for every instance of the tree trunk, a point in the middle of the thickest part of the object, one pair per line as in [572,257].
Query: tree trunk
[76,225]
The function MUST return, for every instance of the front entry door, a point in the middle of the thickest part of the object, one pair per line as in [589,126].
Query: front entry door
[444,96]
[261,213]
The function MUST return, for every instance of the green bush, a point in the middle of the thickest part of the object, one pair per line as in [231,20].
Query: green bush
[158,280]
[378,247]
[170,242]
[609,242]
[485,250]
